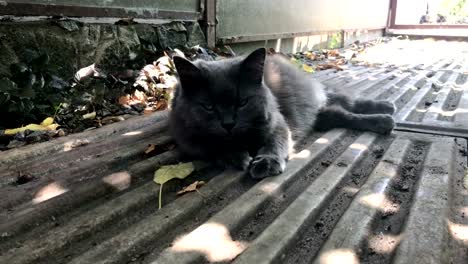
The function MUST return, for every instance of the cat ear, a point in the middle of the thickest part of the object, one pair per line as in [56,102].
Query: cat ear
[252,66]
[189,74]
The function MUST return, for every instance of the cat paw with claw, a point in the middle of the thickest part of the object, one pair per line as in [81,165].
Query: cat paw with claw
[266,165]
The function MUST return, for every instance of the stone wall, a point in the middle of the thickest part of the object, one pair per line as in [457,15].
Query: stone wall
[38,60]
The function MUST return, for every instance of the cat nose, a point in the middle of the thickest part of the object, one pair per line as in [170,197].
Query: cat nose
[228,125]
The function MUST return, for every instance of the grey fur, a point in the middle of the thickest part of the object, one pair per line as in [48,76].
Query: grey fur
[235,109]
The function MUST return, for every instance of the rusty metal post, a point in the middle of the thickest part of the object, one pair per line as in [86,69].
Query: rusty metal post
[392,14]
[210,20]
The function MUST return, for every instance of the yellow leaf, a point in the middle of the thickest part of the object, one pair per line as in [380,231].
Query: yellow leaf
[32,127]
[169,172]
[191,188]
[52,127]
[307,68]
[47,122]
[91,115]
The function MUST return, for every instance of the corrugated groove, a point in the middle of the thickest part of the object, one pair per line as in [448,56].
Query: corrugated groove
[428,99]
[355,196]
[434,111]
[245,206]
[58,146]
[429,244]
[285,228]
[353,228]
[317,148]
[80,170]
[23,219]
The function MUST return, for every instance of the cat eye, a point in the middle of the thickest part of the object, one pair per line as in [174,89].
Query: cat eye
[243,102]
[207,106]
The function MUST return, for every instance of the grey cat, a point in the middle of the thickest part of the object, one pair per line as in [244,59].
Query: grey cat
[234,109]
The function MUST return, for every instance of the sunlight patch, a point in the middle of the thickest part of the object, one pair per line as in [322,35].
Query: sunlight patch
[380,202]
[458,231]
[213,241]
[48,192]
[358,146]
[351,190]
[119,180]
[301,155]
[339,256]
[269,187]
[384,243]
[132,133]
[322,141]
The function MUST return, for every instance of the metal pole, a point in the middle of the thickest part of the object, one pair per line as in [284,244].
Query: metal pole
[210,17]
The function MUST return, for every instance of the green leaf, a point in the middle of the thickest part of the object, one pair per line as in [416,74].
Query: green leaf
[169,172]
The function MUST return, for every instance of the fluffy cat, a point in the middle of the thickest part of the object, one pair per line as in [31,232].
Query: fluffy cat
[234,109]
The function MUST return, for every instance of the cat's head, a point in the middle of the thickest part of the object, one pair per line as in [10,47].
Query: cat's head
[225,97]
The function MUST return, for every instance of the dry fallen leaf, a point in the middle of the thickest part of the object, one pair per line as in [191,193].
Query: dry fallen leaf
[333,53]
[310,55]
[123,100]
[327,66]
[150,148]
[191,188]
[161,105]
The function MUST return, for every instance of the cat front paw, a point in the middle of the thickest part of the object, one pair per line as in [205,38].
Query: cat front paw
[384,124]
[265,166]
[386,107]
[234,160]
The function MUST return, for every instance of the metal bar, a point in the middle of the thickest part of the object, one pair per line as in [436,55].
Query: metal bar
[425,26]
[260,37]
[393,25]
[393,8]
[210,18]
[434,128]
[28,9]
